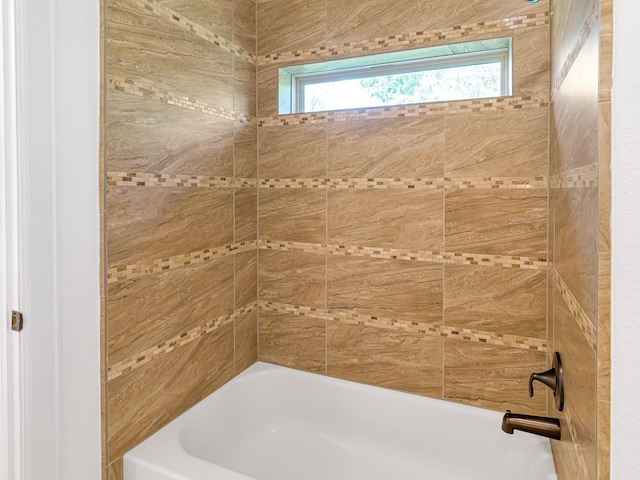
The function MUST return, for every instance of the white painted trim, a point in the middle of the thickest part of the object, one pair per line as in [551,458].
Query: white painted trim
[625,293]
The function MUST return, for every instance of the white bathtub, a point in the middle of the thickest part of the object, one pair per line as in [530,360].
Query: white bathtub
[274,423]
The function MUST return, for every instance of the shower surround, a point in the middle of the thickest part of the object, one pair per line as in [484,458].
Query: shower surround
[404,247]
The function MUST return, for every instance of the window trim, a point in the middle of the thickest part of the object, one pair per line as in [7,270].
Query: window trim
[292,80]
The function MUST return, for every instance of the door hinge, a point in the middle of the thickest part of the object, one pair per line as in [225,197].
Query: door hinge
[16,321]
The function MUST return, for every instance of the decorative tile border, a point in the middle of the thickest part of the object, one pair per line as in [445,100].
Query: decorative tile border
[527,263]
[492,338]
[581,177]
[404,111]
[180,20]
[480,183]
[147,179]
[139,269]
[414,39]
[118,369]
[583,35]
[582,319]
[144,88]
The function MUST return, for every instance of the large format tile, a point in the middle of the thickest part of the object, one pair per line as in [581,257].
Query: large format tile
[267,90]
[244,32]
[569,18]
[246,214]
[508,143]
[461,12]
[492,377]
[358,20]
[294,151]
[144,400]
[292,341]
[386,218]
[145,135]
[246,341]
[507,222]
[294,278]
[287,25]
[297,215]
[502,300]
[214,15]
[147,223]
[401,290]
[246,150]
[246,278]
[244,91]
[142,46]
[531,64]
[385,358]
[386,148]
[149,310]
[579,364]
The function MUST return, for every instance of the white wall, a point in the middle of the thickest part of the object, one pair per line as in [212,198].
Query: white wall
[625,394]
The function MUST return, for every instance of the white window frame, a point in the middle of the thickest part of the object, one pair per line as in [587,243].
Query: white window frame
[293,79]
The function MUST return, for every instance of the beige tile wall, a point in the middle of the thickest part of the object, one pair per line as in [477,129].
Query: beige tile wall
[579,235]
[180,210]
[406,247]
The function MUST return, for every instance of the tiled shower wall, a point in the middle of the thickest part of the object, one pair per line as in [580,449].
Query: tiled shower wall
[180,208]
[579,300]
[406,247]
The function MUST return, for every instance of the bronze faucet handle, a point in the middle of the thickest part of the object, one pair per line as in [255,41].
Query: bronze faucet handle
[552,378]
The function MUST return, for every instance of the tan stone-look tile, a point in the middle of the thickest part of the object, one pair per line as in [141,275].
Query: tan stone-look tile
[246,282]
[115,470]
[576,244]
[287,25]
[604,176]
[296,215]
[568,461]
[359,20]
[149,310]
[386,148]
[460,12]
[568,18]
[146,223]
[531,63]
[604,440]
[244,32]
[507,222]
[503,300]
[492,377]
[604,327]
[605,82]
[214,15]
[401,290]
[293,341]
[144,400]
[246,150]
[386,218]
[295,151]
[268,90]
[145,135]
[246,214]
[507,143]
[244,89]
[576,111]
[143,46]
[246,341]
[579,365]
[385,358]
[296,278]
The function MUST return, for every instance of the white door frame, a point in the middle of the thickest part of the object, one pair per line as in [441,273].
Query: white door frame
[52,156]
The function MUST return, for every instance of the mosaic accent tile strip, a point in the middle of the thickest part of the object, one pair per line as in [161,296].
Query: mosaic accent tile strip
[147,179]
[584,322]
[403,111]
[413,39]
[128,272]
[143,88]
[429,329]
[118,369]
[178,19]
[582,177]
[527,263]
[407,183]
[585,31]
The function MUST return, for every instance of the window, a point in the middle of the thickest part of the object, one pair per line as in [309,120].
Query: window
[462,71]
